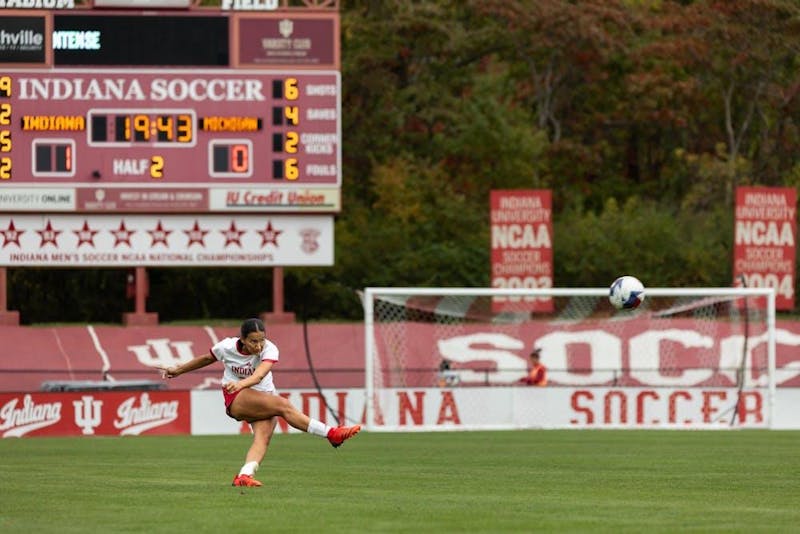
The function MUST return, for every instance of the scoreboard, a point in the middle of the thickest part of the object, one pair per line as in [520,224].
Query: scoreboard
[177,113]
[200,130]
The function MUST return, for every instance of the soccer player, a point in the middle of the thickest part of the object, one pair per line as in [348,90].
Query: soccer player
[538,373]
[249,394]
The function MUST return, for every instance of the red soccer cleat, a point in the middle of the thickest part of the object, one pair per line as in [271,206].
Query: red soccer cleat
[246,480]
[337,435]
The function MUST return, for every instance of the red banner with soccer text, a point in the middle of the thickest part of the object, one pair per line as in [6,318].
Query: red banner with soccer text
[522,246]
[765,239]
[100,413]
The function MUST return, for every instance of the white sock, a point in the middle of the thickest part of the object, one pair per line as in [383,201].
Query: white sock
[318,428]
[249,468]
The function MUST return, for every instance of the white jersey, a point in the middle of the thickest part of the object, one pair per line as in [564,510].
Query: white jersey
[239,365]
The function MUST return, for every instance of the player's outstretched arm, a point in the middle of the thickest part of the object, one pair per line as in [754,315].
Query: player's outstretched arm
[193,364]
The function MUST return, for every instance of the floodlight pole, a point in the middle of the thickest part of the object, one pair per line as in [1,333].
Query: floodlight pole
[141,290]
[140,316]
[277,315]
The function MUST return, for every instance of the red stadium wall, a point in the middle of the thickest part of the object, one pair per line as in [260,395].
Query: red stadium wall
[35,356]
[129,357]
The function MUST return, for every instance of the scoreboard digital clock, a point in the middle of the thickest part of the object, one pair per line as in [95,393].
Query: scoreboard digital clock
[226,134]
[129,126]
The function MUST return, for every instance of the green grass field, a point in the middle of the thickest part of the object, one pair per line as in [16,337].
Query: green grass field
[543,481]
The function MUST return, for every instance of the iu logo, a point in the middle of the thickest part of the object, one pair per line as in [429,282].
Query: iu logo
[162,352]
[88,413]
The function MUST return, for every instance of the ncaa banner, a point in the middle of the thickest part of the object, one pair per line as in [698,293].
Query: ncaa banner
[765,237]
[522,246]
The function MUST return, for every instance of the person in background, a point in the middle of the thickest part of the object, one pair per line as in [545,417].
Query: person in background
[447,377]
[537,376]
[249,394]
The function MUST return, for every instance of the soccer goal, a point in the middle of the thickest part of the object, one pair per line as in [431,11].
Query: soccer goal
[456,358]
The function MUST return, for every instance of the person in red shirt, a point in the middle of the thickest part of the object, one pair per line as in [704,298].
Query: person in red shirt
[538,373]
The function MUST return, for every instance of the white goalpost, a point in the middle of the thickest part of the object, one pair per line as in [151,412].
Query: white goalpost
[454,359]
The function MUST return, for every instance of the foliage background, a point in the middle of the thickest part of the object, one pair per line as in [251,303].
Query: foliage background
[642,116]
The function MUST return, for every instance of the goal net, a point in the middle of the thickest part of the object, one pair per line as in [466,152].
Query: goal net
[457,358]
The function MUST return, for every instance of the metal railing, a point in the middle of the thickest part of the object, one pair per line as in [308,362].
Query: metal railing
[29,380]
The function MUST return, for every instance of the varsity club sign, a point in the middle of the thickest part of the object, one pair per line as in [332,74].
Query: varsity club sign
[94,413]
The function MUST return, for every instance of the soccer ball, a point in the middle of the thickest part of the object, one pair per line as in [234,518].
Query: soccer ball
[626,293]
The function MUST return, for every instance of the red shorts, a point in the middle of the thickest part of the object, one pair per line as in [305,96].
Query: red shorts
[229,400]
